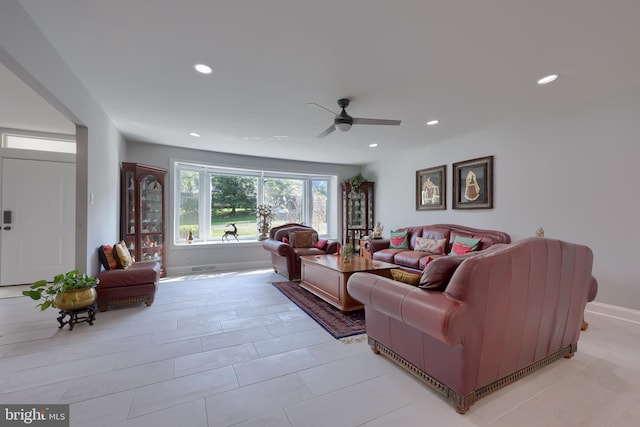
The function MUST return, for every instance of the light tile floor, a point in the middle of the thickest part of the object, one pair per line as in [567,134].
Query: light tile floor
[230,349]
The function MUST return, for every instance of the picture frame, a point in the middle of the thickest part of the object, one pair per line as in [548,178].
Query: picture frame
[431,186]
[473,184]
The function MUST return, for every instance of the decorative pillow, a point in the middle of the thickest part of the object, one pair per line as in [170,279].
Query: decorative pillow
[285,240]
[320,244]
[462,245]
[432,246]
[122,255]
[438,272]
[399,240]
[107,258]
[303,239]
[405,277]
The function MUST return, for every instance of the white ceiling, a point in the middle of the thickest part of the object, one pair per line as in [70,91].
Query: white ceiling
[471,64]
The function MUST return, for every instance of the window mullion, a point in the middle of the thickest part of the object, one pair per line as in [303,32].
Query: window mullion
[205,201]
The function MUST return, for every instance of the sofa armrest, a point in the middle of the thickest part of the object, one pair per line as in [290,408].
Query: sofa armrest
[374,245]
[332,247]
[593,289]
[280,248]
[434,313]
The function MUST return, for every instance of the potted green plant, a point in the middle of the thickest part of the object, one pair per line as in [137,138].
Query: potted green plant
[355,181]
[68,291]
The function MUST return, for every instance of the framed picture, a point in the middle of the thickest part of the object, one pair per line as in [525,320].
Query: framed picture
[473,184]
[431,188]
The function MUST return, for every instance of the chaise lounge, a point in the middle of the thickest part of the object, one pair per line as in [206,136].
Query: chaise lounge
[128,283]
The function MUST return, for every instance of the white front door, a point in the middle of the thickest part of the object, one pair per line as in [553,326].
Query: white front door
[38,240]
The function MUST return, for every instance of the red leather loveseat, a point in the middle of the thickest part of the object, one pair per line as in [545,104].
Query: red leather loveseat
[504,313]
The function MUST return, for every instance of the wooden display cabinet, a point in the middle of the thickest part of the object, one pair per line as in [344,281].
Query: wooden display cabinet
[142,219]
[357,213]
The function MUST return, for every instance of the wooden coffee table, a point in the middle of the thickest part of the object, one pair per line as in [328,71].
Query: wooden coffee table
[326,276]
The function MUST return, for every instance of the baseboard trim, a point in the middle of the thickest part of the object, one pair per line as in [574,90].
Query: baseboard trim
[185,270]
[614,311]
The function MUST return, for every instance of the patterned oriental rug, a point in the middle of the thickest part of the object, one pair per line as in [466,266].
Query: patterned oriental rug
[337,323]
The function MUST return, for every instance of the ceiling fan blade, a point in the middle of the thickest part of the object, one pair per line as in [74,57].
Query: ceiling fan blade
[324,108]
[361,121]
[327,131]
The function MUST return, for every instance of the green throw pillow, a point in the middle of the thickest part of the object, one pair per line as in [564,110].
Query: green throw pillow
[399,240]
[463,245]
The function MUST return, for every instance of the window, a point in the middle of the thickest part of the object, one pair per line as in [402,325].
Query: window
[26,142]
[212,200]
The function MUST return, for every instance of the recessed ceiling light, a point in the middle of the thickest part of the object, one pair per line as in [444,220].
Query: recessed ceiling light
[432,122]
[373,145]
[547,79]
[202,68]
[195,134]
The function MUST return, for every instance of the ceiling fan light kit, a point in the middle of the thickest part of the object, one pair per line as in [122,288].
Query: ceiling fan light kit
[343,127]
[344,121]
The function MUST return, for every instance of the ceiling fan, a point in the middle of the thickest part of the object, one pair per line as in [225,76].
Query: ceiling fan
[343,121]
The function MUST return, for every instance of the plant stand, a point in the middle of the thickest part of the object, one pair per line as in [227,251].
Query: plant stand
[74,318]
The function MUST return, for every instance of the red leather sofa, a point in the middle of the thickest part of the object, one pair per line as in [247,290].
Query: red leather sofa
[285,254]
[504,313]
[415,261]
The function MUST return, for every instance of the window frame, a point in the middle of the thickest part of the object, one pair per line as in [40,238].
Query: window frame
[204,199]
[6,135]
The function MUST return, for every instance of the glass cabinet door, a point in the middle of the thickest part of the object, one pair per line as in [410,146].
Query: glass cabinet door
[357,210]
[151,219]
[130,211]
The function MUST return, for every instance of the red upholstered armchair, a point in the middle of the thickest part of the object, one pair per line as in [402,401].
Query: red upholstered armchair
[288,242]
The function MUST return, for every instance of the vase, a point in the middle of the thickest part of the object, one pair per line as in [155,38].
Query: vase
[347,253]
[76,299]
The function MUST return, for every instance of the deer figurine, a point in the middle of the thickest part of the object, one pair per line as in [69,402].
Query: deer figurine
[228,233]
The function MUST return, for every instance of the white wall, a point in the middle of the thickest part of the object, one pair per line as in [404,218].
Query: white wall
[28,54]
[571,172]
[180,259]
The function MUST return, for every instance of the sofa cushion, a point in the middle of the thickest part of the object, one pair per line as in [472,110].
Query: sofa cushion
[107,258]
[122,255]
[462,245]
[438,272]
[140,273]
[425,260]
[408,258]
[399,240]
[405,277]
[303,239]
[432,246]
[386,255]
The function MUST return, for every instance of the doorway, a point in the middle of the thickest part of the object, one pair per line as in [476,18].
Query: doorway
[37,238]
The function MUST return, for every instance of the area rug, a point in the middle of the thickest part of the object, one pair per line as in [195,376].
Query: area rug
[337,323]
